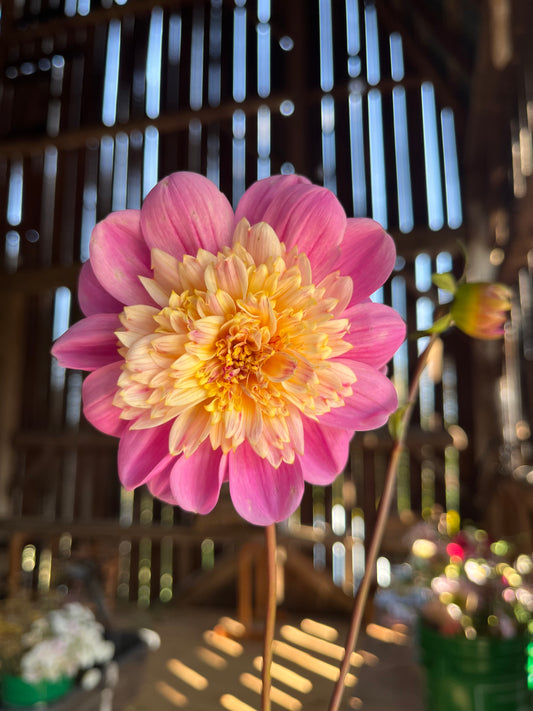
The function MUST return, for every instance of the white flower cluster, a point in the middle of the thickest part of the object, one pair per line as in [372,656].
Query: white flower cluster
[64,642]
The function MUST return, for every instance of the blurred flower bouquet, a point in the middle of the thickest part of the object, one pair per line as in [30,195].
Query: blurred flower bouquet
[44,642]
[477,587]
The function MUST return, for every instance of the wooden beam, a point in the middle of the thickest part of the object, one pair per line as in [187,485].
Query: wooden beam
[63,440]
[34,281]
[26,33]
[171,122]
[28,526]
[11,383]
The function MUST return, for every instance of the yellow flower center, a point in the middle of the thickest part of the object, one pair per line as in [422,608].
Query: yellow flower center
[242,345]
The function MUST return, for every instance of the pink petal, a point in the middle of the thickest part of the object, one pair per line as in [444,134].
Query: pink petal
[326,452]
[260,493]
[159,485]
[258,197]
[196,480]
[88,344]
[92,296]
[376,333]
[374,399]
[185,212]
[367,255]
[119,255]
[98,391]
[142,454]
[306,216]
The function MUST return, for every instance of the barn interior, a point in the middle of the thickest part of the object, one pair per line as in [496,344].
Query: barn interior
[418,115]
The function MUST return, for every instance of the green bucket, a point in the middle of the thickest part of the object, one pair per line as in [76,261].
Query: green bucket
[17,693]
[482,674]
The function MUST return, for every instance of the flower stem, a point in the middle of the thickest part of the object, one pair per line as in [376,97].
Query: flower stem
[379,530]
[270,617]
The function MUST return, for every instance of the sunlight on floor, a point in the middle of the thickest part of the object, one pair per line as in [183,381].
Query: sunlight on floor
[212,659]
[385,634]
[286,676]
[224,644]
[171,694]
[328,649]
[220,667]
[277,696]
[319,629]
[307,661]
[188,675]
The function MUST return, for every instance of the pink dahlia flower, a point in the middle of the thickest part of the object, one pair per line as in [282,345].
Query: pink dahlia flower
[238,348]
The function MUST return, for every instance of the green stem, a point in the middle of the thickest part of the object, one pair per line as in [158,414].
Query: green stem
[379,530]
[270,617]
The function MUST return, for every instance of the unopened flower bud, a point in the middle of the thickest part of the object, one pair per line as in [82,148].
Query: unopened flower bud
[480,309]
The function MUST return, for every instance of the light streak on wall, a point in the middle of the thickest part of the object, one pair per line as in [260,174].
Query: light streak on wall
[153,63]
[110,96]
[353,39]
[120,172]
[401,137]
[400,359]
[357,153]
[14,198]
[373,69]
[377,158]
[443,264]
[451,170]
[239,54]
[263,58]
[432,158]
[423,272]
[197,59]
[326,45]
[12,251]
[151,159]
[90,195]
[239,155]
[328,143]
[263,142]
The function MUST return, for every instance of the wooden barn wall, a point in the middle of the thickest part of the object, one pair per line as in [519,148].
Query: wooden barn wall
[98,100]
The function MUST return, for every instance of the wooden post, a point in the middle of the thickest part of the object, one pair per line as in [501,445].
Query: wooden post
[11,364]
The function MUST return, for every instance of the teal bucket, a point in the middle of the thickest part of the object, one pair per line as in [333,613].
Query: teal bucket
[483,674]
[17,693]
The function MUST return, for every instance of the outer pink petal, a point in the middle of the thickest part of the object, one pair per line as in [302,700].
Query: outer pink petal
[309,217]
[260,493]
[159,485]
[88,344]
[195,481]
[326,452]
[374,399]
[367,255]
[376,333]
[92,296]
[98,391]
[142,454]
[261,194]
[185,212]
[119,255]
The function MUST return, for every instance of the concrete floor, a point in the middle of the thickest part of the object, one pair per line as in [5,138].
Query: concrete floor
[201,665]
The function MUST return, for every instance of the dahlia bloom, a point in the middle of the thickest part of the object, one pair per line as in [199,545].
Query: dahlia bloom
[480,309]
[238,348]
